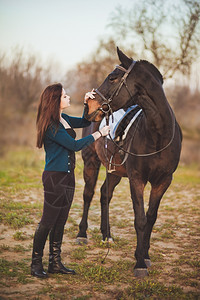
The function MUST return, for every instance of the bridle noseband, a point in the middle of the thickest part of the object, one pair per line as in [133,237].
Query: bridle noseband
[108,111]
[105,106]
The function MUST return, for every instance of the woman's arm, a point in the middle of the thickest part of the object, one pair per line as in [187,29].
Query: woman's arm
[76,122]
[62,138]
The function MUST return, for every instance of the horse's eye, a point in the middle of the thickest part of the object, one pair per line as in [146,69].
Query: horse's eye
[112,78]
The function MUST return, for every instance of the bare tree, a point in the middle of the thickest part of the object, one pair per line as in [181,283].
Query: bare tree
[160,31]
[89,74]
[22,79]
[166,32]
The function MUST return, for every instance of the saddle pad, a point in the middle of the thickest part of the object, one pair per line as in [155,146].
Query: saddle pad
[122,121]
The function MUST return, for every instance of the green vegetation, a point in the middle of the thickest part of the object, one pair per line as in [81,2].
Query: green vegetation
[4,247]
[96,272]
[187,176]
[20,236]
[148,289]
[17,269]
[175,264]
[79,253]
[15,220]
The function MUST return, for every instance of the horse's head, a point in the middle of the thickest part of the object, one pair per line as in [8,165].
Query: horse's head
[121,87]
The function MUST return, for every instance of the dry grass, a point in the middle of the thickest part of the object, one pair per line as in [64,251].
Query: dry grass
[175,243]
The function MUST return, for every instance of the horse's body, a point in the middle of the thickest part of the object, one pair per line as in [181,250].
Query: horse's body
[154,143]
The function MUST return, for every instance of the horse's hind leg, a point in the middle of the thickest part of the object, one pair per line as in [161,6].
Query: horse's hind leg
[156,194]
[90,173]
[106,195]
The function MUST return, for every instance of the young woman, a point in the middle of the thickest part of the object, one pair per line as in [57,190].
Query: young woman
[55,131]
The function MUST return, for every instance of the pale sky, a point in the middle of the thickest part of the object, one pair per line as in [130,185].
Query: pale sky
[66,31]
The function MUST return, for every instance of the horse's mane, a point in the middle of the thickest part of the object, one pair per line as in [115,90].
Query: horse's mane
[155,72]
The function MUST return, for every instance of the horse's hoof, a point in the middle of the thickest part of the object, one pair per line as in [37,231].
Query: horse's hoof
[147,262]
[140,272]
[110,240]
[81,241]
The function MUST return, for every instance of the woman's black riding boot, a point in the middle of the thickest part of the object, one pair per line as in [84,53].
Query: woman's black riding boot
[40,237]
[55,242]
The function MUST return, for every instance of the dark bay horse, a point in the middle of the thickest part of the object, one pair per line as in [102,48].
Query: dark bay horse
[152,148]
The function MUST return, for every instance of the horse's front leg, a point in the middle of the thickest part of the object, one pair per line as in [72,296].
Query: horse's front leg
[90,173]
[106,195]
[137,189]
[157,191]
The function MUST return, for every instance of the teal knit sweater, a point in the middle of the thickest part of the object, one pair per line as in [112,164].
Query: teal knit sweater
[58,144]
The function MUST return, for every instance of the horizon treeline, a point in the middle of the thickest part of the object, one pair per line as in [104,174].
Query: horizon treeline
[166,34]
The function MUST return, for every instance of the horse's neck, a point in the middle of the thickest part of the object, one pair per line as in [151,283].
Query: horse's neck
[158,116]
[151,98]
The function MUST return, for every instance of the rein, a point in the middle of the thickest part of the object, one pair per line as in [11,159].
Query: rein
[108,111]
[107,200]
[145,154]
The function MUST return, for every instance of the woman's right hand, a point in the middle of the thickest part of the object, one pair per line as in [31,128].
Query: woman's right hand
[105,130]
[89,95]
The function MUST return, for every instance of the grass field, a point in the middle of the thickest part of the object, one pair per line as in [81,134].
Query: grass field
[175,243]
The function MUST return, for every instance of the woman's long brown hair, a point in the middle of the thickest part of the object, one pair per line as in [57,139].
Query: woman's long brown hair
[48,110]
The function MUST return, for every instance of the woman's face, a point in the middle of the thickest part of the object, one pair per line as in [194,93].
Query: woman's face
[65,100]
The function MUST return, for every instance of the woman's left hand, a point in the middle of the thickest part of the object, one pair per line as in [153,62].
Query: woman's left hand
[89,95]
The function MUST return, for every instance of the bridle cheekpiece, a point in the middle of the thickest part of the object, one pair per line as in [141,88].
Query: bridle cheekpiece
[105,106]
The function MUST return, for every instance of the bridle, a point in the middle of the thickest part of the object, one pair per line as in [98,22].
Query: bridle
[108,111]
[105,106]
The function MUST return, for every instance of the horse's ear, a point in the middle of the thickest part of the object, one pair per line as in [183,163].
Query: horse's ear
[123,58]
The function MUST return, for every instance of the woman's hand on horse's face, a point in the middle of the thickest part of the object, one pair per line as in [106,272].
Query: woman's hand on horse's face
[89,95]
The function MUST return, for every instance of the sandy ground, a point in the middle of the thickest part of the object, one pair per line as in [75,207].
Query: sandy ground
[175,246]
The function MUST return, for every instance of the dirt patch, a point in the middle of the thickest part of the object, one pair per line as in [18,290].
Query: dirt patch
[175,249]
